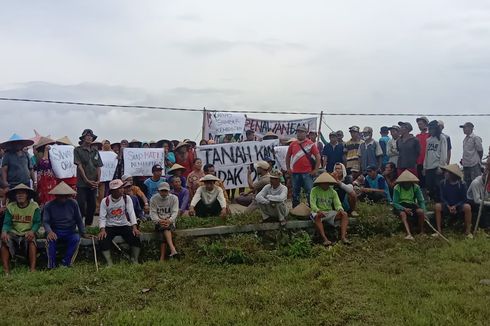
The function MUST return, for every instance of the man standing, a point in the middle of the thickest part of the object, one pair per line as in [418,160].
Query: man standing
[448,140]
[472,153]
[333,152]
[301,165]
[351,149]
[391,149]
[370,152]
[88,162]
[408,149]
[272,199]
[249,135]
[423,123]
[17,167]
[383,142]
[435,159]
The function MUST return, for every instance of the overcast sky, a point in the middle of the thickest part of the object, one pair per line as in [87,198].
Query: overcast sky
[304,56]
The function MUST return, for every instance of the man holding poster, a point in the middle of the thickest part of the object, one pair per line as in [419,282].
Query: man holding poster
[88,162]
[301,165]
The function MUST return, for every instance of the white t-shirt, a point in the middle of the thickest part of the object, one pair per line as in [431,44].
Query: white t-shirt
[117,213]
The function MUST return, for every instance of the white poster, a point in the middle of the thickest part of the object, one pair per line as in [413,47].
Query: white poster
[222,123]
[281,152]
[61,158]
[109,159]
[231,160]
[282,128]
[139,161]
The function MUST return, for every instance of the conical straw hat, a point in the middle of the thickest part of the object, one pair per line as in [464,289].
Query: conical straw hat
[64,140]
[301,210]
[17,140]
[62,189]
[454,169]
[44,141]
[407,176]
[325,178]
[20,186]
[175,167]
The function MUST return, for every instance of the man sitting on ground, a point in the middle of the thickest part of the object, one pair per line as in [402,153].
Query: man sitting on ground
[117,217]
[22,221]
[478,192]
[325,206]
[272,199]
[375,187]
[61,218]
[408,201]
[248,199]
[164,208]
[209,199]
[453,199]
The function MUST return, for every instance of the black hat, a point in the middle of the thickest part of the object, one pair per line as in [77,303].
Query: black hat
[407,125]
[384,129]
[156,167]
[88,132]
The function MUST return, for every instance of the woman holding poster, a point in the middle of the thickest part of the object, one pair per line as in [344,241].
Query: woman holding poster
[46,179]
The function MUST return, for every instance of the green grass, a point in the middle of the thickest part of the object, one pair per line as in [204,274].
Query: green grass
[273,279]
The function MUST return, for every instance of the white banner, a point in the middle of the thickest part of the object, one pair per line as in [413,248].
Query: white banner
[109,159]
[222,123]
[231,160]
[282,128]
[139,161]
[61,158]
[281,152]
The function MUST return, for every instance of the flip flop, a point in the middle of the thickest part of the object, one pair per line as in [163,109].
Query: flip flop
[327,243]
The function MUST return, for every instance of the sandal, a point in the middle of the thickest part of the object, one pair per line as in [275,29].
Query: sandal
[327,243]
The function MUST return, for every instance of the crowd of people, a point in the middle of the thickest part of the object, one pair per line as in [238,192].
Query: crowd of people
[404,170]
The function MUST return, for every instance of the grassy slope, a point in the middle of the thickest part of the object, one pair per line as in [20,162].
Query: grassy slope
[381,280]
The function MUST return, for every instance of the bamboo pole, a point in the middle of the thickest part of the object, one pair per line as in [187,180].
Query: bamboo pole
[95,255]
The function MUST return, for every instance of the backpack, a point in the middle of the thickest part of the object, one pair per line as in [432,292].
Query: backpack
[107,201]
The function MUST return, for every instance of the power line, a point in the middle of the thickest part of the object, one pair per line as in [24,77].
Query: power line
[148,107]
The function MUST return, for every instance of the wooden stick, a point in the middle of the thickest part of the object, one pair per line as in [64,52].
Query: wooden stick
[482,202]
[95,255]
[121,251]
[433,228]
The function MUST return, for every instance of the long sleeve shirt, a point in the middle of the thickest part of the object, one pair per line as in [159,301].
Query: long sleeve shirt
[476,191]
[184,197]
[117,213]
[22,220]
[64,216]
[208,197]
[392,151]
[436,152]
[269,194]
[411,195]
[453,194]
[324,200]
[164,208]
[378,183]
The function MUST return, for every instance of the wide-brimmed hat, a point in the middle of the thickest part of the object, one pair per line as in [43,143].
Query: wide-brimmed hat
[263,165]
[64,141]
[301,128]
[209,177]
[43,141]
[325,177]
[407,176]
[275,174]
[135,142]
[181,144]
[188,141]
[21,186]
[270,135]
[62,189]
[454,169]
[15,139]
[162,141]
[125,177]
[115,144]
[302,210]
[98,144]
[116,184]
[88,132]
[175,167]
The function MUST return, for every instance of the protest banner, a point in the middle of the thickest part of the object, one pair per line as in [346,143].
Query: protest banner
[139,161]
[282,128]
[231,160]
[61,158]
[109,159]
[222,123]
[281,152]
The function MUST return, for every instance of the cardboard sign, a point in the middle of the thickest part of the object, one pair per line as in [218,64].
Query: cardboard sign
[222,123]
[61,158]
[139,161]
[281,152]
[231,160]
[109,159]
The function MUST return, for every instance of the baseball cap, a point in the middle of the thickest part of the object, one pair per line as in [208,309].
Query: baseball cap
[441,123]
[434,123]
[371,168]
[262,164]
[164,186]
[115,184]
[424,118]
[467,124]
[332,134]
[367,130]
[384,129]
[156,167]
[275,174]
[407,125]
[354,128]
[394,127]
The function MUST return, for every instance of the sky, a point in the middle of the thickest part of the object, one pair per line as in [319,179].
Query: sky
[427,57]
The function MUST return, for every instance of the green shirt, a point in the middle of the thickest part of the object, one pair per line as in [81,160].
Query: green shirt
[412,195]
[90,160]
[324,200]
[21,220]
